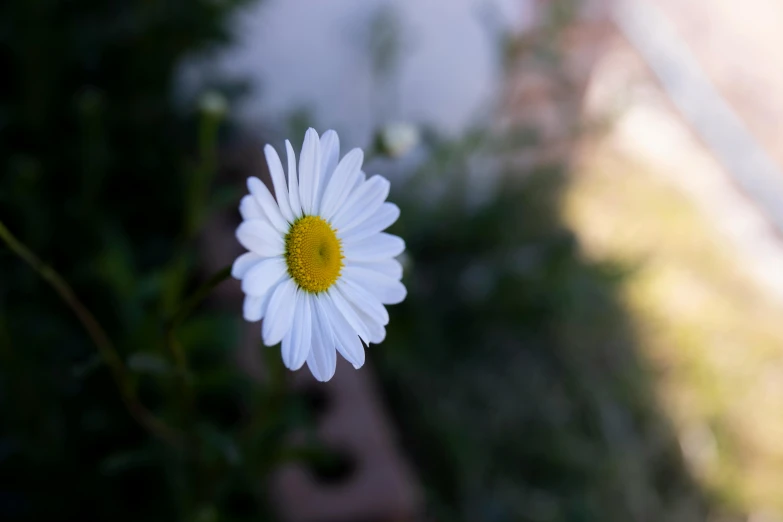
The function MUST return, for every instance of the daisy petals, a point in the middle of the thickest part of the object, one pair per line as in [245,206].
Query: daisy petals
[322,359]
[389,267]
[344,307]
[250,209]
[362,202]
[374,248]
[268,296]
[376,329]
[345,338]
[267,203]
[309,172]
[373,319]
[293,182]
[382,219]
[259,279]
[280,313]
[252,308]
[296,343]
[344,315]
[360,299]
[259,237]
[341,182]
[330,155]
[361,179]
[278,182]
[244,263]
[386,289]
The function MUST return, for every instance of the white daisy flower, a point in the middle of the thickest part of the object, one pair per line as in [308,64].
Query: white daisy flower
[319,268]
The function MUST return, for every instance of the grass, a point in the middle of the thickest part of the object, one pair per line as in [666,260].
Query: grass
[713,337]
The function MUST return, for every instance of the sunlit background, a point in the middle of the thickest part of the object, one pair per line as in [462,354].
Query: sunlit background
[592,202]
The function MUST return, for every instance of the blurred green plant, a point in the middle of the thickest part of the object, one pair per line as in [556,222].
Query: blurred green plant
[512,369]
[128,405]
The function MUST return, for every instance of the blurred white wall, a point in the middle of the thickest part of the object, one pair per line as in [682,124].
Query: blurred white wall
[317,55]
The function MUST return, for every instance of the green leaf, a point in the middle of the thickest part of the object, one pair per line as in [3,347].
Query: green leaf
[173,283]
[149,363]
[85,368]
[218,445]
[215,333]
[121,462]
[224,197]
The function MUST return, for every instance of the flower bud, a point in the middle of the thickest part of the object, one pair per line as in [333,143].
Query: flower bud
[397,139]
[213,103]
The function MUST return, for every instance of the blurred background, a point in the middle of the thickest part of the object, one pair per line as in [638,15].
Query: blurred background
[592,200]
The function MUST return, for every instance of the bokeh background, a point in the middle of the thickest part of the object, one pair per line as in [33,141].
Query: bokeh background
[592,201]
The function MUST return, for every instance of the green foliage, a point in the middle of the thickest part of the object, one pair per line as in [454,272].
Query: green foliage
[107,181]
[511,369]
[511,366]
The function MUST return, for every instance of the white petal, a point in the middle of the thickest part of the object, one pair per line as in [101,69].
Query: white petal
[341,182]
[349,189]
[250,209]
[372,318]
[359,181]
[374,248]
[383,218]
[259,237]
[363,301]
[278,181]
[251,309]
[362,203]
[309,171]
[376,329]
[322,359]
[268,296]
[330,154]
[280,314]
[389,267]
[268,204]
[386,289]
[244,263]
[345,335]
[293,182]
[349,315]
[286,349]
[296,343]
[259,279]
[345,308]
[254,307]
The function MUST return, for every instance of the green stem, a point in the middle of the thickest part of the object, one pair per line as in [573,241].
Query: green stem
[270,399]
[199,295]
[175,347]
[102,342]
[203,174]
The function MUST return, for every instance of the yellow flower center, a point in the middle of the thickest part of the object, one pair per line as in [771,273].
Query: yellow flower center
[313,254]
